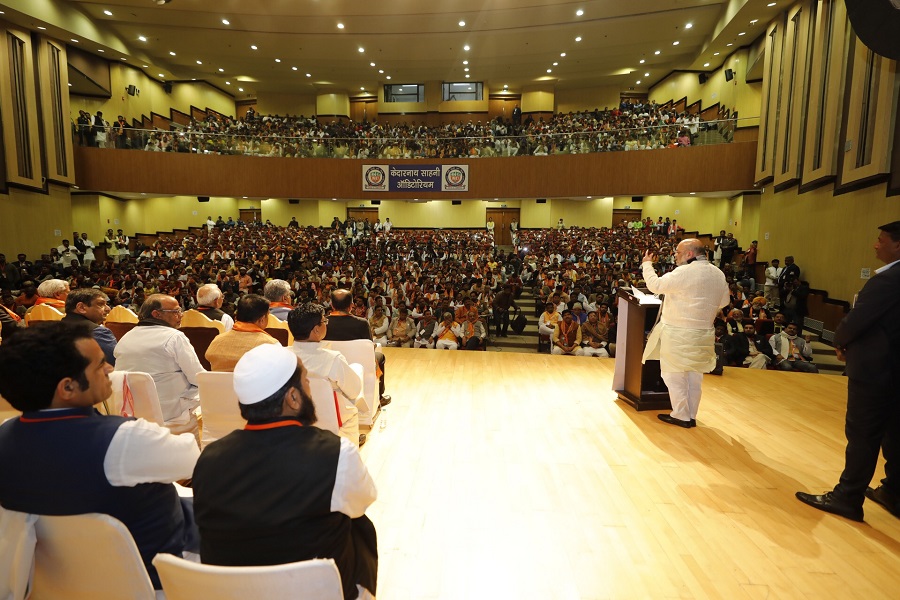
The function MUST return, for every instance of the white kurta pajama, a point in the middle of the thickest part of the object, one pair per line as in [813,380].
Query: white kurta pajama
[684,340]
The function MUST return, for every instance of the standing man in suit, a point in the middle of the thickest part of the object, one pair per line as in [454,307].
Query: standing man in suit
[789,273]
[868,339]
[342,326]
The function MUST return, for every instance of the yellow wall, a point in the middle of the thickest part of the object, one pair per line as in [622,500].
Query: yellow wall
[538,98]
[280,211]
[831,237]
[694,213]
[269,103]
[587,98]
[736,94]
[437,213]
[152,97]
[29,221]
[333,103]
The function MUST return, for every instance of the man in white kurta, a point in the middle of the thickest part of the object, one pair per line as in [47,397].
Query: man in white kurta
[683,340]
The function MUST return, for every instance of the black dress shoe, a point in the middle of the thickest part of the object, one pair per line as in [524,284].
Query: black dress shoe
[884,498]
[830,503]
[385,400]
[673,421]
[362,439]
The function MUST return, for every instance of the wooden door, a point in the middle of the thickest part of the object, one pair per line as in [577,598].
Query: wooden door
[621,214]
[362,213]
[248,215]
[502,218]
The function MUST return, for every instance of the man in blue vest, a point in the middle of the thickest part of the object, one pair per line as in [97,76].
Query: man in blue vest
[62,457]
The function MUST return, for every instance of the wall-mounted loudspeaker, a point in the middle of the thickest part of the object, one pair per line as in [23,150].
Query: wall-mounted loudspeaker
[376,202]
[167,87]
[703,77]
[541,201]
[131,89]
[202,198]
[729,74]
[637,198]
[293,201]
[456,202]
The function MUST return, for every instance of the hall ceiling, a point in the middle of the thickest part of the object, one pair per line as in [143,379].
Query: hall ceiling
[512,42]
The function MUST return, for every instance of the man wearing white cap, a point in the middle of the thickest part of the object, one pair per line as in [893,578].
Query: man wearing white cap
[282,490]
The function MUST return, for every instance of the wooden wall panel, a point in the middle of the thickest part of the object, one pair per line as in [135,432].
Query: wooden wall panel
[771,101]
[794,95]
[23,160]
[695,169]
[53,79]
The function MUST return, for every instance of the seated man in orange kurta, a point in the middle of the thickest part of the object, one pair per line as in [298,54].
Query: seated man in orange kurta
[251,317]
[53,292]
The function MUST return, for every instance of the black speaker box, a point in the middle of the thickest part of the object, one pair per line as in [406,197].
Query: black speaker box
[202,198]
[376,202]
[293,201]
[729,74]
[456,202]
[541,201]
[703,78]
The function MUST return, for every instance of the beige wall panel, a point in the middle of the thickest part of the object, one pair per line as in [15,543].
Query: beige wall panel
[568,100]
[280,211]
[333,103]
[86,216]
[794,94]
[769,110]
[270,103]
[439,213]
[831,237]
[538,98]
[28,221]
[57,132]
[534,215]
[706,215]
[31,172]
[596,212]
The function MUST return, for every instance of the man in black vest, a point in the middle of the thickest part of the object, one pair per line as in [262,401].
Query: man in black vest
[342,326]
[209,302]
[280,490]
[61,457]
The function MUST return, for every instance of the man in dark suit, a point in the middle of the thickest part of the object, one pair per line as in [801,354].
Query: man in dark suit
[749,348]
[868,339]
[790,272]
[343,326]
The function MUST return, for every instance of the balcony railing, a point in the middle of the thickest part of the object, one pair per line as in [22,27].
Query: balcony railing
[428,146]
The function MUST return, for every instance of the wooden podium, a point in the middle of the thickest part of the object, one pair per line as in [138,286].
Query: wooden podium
[640,385]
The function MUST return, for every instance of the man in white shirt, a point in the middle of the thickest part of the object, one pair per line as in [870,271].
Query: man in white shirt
[684,340]
[308,325]
[773,272]
[155,346]
[209,302]
[63,458]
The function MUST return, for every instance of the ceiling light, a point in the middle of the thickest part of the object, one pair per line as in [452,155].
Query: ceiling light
[692,193]
[381,70]
[240,89]
[122,58]
[705,64]
[466,47]
[253,47]
[729,44]
[340,25]
[171,53]
[227,83]
[754,21]
[145,66]
[462,23]
[226,22]
[293,68]
[193,79]
[362,89]
[108,13]
[70,85]
[199,62]
[642,61]
[770,4]
[646,74]
[579,12]
[371,64]
[467,76]
[556,64]
[74,40]
[142,38]
[688,25]
[388,77]
[39,27]
[221,70]
[361,49]
[743,33]
[465,62]
[675,43]
[278,60]
[549,70]
[161,75]
[638,82]
[308,75]
[657,53]
[505,87]
[470,88]
[101,50]
[715,53]
[563,54]
[466,69]
[578,39]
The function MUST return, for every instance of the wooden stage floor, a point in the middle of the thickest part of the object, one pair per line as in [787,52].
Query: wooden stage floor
[522,476]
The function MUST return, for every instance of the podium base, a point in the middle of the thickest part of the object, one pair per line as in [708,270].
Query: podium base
[647,400]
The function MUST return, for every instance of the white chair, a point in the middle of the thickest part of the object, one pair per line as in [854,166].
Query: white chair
[143,392]
[280,331]
[195,318]
[17,541]
[219,406]
[323,396]
[89,557]
[316,579]
[42,312]
[362,352]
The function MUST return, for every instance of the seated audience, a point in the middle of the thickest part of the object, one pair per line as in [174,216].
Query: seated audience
[209,302]
[53,293]
[402,330]
[447,333]
[278,293]
[474,333]
[594,336]
[155,346]
[248,331]
[425,331]
[792,353]
[748,348]
[63,458]
[280,490]
[566,338]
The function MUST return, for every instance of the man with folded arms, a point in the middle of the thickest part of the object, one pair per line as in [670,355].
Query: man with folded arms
[281,490]
[61,457]
[248,331]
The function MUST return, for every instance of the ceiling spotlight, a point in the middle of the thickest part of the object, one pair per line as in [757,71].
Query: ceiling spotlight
[278,60]
[171,53]
[646,74]
[42,28]
[642,61]
[293,68]
[221,70]
[308,75]
[381,70]
[462,23]
[743,33]
[142,38]
[505,87]
[371,64]
[362,89]
[465,62]
[108,13]
[638,82]
[101,50]
[361,49]
[754,21]
[467,76]
[563,54]
[466,69]
[226,22]
[729,44]
[578,39]
[145,66]
[715,53]
[770,4]
[556,64]
[122,58]
[253,47]
[675,43]
[74,40]
[388,77]
[688,25]
[466,47]
[240,89]
[161,2]
[199,62]
[579,12]
[549,70]
[227,83]
[340,25]
[161,75]
[705,64]
[657,53]
[70,85]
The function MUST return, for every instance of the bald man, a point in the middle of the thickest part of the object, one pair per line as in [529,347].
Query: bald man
[684,339]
